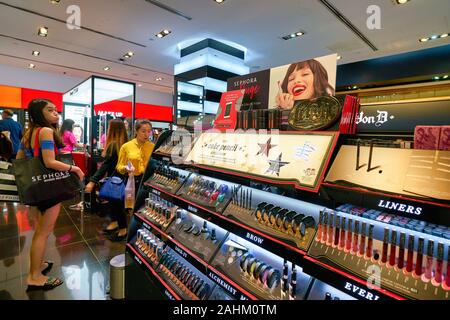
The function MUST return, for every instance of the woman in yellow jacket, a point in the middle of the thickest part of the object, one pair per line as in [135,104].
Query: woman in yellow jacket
[138,152]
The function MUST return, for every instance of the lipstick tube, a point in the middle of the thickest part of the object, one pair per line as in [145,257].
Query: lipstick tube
[429,262]
[293,283]
[362,243]
[392,257]
[324,227]
[355,237]
[330,230]
[401,251]
[370,243]
[419,259]
[409,258]
[349,236]
[337,230]
[342,237]
[446,284]
[385,245]
[319,227]
[437,280]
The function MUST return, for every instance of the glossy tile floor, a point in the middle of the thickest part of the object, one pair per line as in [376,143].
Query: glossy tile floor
[81,256]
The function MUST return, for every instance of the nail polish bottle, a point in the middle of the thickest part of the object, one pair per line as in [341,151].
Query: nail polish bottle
[437,280]
[419,259]
[362,243]
[342,237]
[392,257]
[401,251]
[370,243]
[446,283]
[325,227]
[319,227]
[429,262]
[330,230]
[385,245]
[337,231]
[409,259]
[355,238]
[348,245]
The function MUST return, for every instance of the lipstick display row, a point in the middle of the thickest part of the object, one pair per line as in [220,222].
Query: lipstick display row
[353,237]
[159,210]
[184,277]
[165,176]
[150,246]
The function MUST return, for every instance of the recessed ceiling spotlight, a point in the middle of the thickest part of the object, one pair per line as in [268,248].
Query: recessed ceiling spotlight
[445,77]
[355,87]
[31,66]
[43,31]
[55,1]
[435,78]
[293,35]
[434,37]
[106,68]
[139,85]
[163,33]
[401,1]
[219,1]
[159,79]
[424,39]
[444,35]
[36,53]
[130,53]
[339,57]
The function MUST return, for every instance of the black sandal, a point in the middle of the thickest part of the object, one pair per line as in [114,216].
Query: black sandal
[48,268]
[50,284]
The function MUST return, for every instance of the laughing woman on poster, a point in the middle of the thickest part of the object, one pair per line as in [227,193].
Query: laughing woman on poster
[303,81]
[43,128]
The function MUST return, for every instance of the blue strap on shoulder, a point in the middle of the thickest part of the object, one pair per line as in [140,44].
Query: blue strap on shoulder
[48,145]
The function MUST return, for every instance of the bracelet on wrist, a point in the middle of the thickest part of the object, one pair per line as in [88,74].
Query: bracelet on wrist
[70,168]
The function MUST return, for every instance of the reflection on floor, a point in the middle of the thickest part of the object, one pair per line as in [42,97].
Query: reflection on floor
[80,254]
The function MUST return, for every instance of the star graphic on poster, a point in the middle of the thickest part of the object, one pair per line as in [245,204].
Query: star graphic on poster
[275,165]
[265,147]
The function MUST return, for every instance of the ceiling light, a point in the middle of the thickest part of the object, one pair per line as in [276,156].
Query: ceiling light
[445,77]
[163,33]
[424,39]
[31,66]
[159,79]
[434,37]
[219,1]
[436,78]
[444,35]
[293,35]
[55,1]
[36,53]
[129,54]
[401,1]
[139,85]
[106,68]
[339,57]
[43,31]
[355,87]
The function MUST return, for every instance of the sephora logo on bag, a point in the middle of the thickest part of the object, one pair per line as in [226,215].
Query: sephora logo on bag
[51,177]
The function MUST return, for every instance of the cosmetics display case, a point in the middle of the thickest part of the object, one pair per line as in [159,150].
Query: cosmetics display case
[356,227]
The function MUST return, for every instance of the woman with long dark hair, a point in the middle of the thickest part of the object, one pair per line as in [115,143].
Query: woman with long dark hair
[43,127]
[116,137]
[68,138]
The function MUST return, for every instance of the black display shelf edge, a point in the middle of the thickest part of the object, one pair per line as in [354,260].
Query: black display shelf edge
[252,235]
[141,261]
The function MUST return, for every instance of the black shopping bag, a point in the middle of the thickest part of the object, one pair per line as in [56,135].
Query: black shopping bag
[37,184]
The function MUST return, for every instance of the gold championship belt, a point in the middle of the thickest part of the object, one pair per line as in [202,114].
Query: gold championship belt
[315,114]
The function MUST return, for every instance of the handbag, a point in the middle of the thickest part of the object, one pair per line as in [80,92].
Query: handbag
[38,184]
[113,189]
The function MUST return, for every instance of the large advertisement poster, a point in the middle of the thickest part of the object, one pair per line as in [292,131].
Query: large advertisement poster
[302,80]
[281,87]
